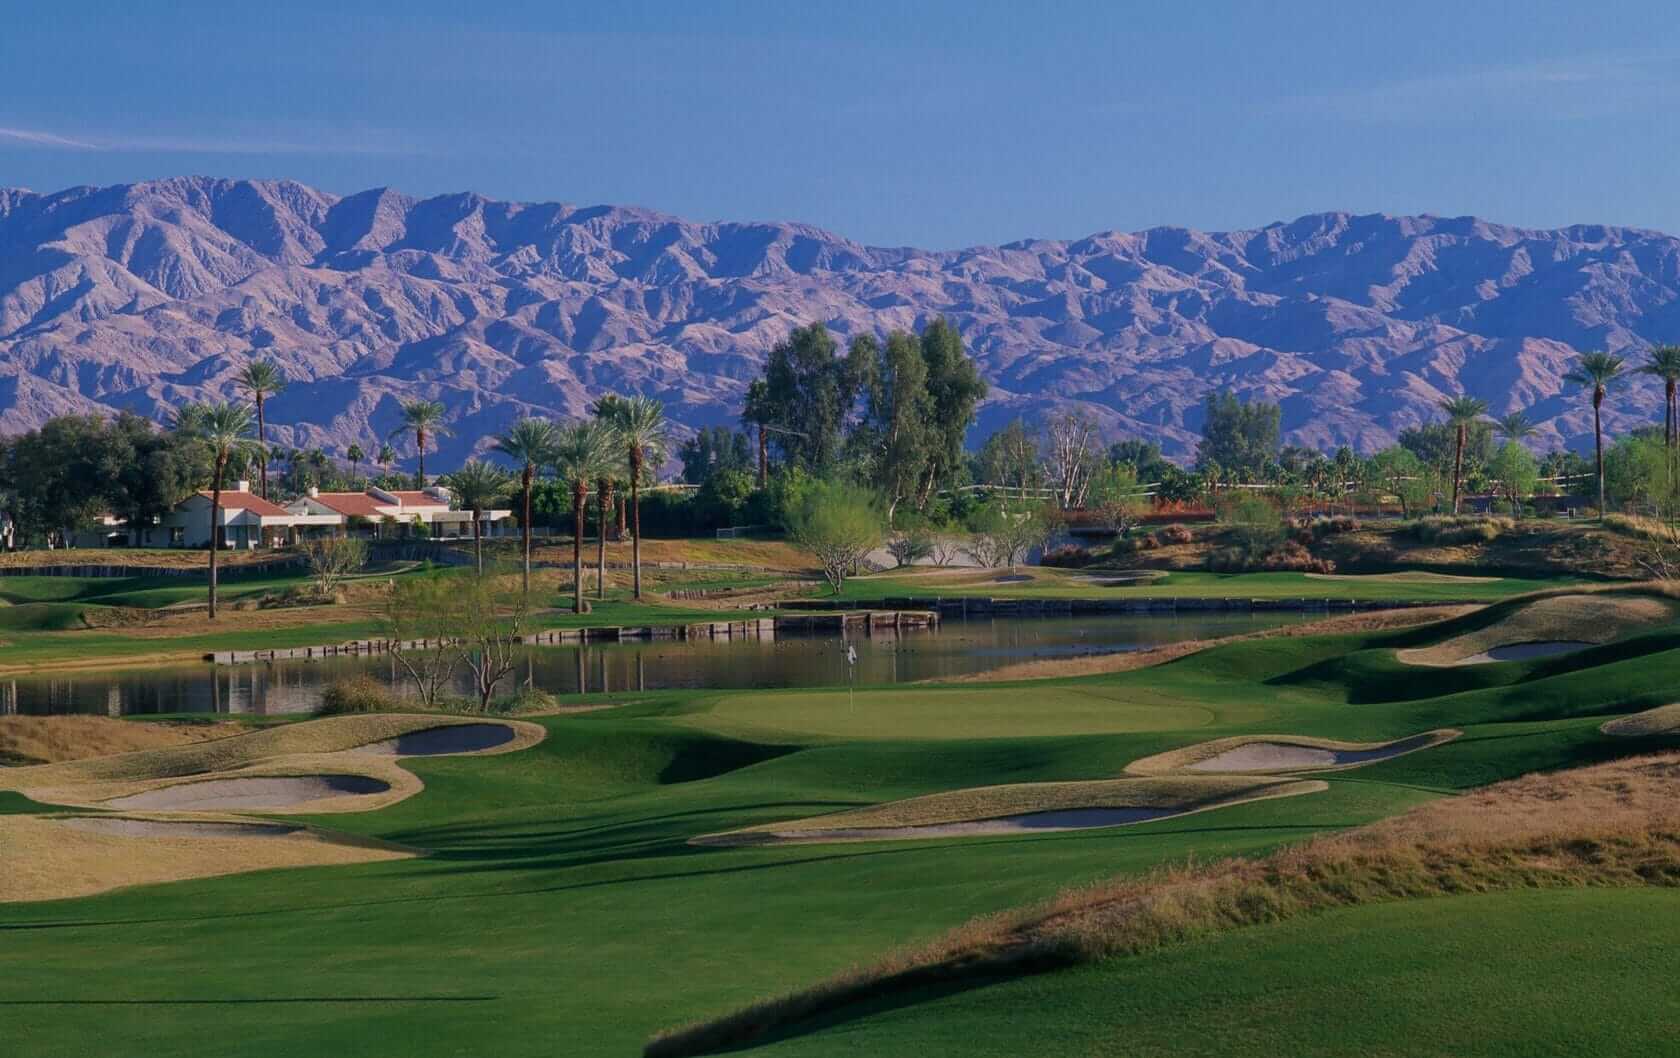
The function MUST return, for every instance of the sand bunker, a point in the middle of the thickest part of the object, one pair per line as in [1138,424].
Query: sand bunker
[222,795]
[57,858]
[1022,808]
[439,741]
[1281,753]
[1545,627]
[122,826]
[1663,720]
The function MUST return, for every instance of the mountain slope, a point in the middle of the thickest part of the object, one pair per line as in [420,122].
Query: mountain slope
[141,296]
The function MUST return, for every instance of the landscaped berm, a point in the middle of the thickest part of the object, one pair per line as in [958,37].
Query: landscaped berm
[1334,841]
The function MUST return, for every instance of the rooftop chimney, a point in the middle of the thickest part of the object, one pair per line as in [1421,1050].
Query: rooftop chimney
[242,486]
[314,492]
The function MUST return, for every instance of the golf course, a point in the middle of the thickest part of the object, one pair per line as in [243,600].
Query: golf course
[1230,852]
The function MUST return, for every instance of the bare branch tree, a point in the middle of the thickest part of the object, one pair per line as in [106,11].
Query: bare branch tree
[1069,458]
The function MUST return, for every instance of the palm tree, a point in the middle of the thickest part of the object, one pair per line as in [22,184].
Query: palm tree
[225,429]
[639,423]
[1516,426]
[603,511]
[582,453]
[477,486]
[387,456]
[1461,412]
[262,379]
[1596,371]
[355,455]
[1665,364]
[531,445]
[421,418]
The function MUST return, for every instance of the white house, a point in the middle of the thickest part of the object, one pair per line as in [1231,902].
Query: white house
[396,512]
[245,521]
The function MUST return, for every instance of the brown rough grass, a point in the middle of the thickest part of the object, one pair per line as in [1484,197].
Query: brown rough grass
[1096,664]
[158,559]
[50,739]
[1181,793]
[48,860]
[1613,824]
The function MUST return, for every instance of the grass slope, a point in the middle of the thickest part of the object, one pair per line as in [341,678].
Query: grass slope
[563,911]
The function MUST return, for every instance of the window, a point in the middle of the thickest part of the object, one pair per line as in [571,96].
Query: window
[177,536]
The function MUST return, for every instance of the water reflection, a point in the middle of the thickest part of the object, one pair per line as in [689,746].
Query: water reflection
[956,648]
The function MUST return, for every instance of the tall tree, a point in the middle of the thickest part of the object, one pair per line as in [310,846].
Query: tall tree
[530,444]
[637,426]
[955,390]
[387,456]
[262,379]
[895,437]
[1010,457]
[1597,371]
[583,451]
[355,455]
[1461,412]
[422,418]
[1665,364]
[757,412]
[223,429]
[1240,437]
[809,389]
[477,486]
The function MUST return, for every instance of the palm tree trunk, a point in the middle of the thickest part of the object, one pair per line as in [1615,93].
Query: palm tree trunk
[478,544]
[636,519]
[262,443]
[1668,411]
[1598,449]
[577,548]
[763,455]
[603,505]
[215,516]
[525,523]
[420,443]
[1458,466]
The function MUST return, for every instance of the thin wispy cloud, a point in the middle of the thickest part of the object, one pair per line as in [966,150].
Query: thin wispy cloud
[36,137]
[372,143]
[1565,90]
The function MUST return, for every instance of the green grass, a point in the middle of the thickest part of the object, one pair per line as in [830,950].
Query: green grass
[1059,584]
[1512,975]
[564,912]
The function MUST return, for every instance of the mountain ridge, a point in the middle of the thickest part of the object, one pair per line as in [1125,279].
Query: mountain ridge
[139,296]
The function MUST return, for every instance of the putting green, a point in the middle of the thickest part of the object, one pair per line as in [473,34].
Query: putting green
[950,713]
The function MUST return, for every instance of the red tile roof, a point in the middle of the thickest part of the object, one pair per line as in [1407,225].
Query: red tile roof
[413,498]
[347,503]
[247,501]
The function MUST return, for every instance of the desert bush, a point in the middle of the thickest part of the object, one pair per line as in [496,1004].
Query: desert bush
[359,694]
[1069,556]
[911,546]
[1169,535]
[1449,530]
[1640,527]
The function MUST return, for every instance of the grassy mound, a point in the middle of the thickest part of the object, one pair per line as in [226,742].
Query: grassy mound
[1175,796]
[1663,720]
[51,739]
[1610,825]
[1576,618]
[1323,754]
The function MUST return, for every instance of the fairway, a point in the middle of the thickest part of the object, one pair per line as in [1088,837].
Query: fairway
[949,713]
[562,908]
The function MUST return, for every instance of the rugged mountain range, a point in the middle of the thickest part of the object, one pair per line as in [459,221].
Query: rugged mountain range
[141,296]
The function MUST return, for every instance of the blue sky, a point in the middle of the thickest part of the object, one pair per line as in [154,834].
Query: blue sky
[932,124]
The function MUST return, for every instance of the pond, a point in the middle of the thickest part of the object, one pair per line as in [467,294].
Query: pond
[955,648]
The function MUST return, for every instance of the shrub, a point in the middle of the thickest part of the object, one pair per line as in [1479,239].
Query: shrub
[1288,557]
[1173,534]
[359,694]
[1449,530]
[1069,556]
